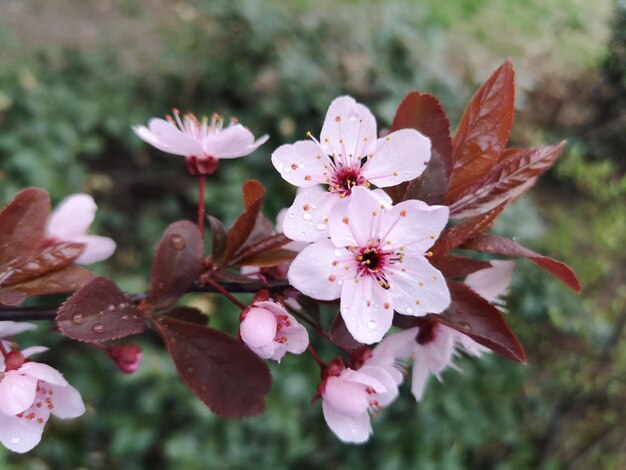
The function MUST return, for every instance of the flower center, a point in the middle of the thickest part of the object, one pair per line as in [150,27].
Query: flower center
[345,179]
[373,260]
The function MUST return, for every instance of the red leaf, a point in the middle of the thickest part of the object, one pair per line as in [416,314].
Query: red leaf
[508,179]
[455,236]
[267,244]
[218,233]
[507,247]
[100,311]
[483,131]
[424,113]
[22,224]
[188,314]
[37,264]
[69,279]
[475,317]
[177,263]
[253,193]
[341,336]
[10,297]
[270,258]
[458,266]
[229,378]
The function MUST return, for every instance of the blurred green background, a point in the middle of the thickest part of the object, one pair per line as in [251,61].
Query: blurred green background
[75,75]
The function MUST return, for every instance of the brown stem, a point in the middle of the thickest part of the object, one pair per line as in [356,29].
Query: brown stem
[201,182]
[320,363]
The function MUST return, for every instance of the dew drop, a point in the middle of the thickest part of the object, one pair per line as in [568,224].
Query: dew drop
[464,325]
[16,440]
[124,317]
[409,310]
[307,216]
[177,242]
[52,284]
[337,252]
[309,223]
[340,282]
[371,324]
[78,318]
[291,215]
[320,227]
[111,308]
[98,328]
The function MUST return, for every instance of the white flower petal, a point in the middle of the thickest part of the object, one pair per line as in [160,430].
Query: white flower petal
[400,156]
[72,217]
[307,218]
[67,402]
[413,225]
[492,282]
[18,434]
[419,375]
[9,329]
[147,136]
[43,372]
[319,271]
[357,221]
[349,128]
[258,327]
[366,309]
[176,141]
[17,392]
[417,288]
[28,352]
[232,142]
[390,392]
[347,428]
[97,248]
[301,164]
[347,398]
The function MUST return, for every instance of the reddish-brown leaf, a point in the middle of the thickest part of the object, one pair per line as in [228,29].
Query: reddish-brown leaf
[507,247]
[10,297]
[424,113]
[42,262]
[218,236]
[458,266]
[188,314]
[341,336]
[456,235]
[68,279]
[99,311]
[177,263]
[270,258]
[475,317]
[269,243]
[253,193]
[507,180]
[22,224]
[483,130]
[229,378]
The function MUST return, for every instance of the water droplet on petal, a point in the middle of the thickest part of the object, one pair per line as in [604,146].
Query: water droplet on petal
[16,440]
[320,226]
[340,282]
[371,324]
[78,318]
[124,317]
[307,216]
[337,252]
[409,310]
[98,328]
[177,242]
[291,215]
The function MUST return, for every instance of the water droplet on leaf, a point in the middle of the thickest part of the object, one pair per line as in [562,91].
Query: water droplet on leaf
[78,318]
[98,328]
[177,242]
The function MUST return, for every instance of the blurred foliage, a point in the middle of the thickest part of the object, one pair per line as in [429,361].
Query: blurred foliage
[66,108]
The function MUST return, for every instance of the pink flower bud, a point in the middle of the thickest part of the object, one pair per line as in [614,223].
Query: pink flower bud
[127,357]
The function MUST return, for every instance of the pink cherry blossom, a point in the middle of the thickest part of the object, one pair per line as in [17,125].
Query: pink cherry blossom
[433,346]
[348,155]
[375,261]
[203,143]
[28,395]
[350,396]
[270,331]
[70,222]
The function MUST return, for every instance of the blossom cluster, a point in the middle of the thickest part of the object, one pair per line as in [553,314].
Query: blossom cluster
[368,232]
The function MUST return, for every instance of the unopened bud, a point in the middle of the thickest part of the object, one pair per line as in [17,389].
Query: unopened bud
[127,357]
